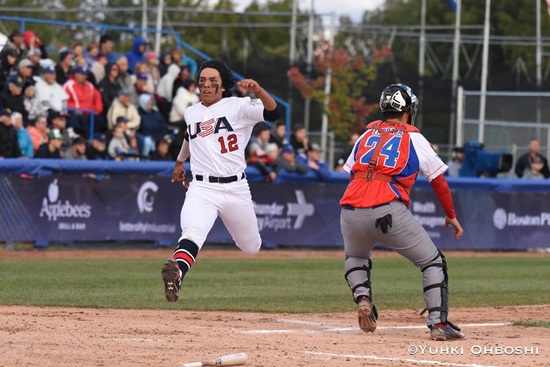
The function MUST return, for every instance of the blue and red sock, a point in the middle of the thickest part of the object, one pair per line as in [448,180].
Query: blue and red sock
[185,256]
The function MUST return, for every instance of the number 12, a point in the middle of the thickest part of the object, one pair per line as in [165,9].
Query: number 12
[231,143]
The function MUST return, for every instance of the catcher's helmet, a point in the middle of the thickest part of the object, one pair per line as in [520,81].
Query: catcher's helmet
[399,98]
[228,79]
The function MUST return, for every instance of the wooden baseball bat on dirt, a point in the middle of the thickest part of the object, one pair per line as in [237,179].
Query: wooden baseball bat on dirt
[237,359]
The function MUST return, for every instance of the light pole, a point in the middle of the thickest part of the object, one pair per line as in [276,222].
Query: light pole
[484,72]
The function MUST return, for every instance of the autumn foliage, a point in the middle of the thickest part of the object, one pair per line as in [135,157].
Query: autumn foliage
[347,108]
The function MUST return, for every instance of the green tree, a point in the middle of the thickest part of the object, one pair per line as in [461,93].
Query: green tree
[347,108]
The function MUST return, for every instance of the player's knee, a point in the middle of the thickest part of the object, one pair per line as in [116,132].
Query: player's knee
[251,246]
[431,258]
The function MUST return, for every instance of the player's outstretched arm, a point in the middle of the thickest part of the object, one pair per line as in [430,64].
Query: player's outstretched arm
[252,86]
[443,193]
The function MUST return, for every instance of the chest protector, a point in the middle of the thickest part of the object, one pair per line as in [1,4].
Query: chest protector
[385,129]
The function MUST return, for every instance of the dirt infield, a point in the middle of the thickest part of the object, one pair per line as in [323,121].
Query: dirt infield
[31,336]
[53,336]
[229,254]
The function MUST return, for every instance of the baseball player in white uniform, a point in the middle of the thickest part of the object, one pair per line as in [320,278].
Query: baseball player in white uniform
[218,131]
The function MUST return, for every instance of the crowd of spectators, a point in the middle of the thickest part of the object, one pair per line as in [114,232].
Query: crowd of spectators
[531,165]
[136,101]
[271,153]
[88,102]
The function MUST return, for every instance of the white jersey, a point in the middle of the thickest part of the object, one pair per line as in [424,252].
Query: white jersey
[218,135]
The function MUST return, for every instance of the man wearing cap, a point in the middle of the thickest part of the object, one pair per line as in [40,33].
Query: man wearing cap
[15,42]
[51,149]
[140,87]
[51,94]
[83,95]
[35,55]
[59,122]
[312,159]
[63,68]
[25,70]
[97,150]
[9,145]
[287,161]
[12,97]
[122,106]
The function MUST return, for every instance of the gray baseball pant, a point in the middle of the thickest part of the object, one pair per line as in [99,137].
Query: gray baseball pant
[407,237]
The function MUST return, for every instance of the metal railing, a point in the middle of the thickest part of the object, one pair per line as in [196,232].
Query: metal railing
[92,119]
[105,27]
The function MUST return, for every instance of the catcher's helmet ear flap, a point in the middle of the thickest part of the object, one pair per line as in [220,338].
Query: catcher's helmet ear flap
[228,79]
[399,98]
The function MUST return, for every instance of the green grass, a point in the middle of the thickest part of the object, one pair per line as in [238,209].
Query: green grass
[545,324]
[296,286]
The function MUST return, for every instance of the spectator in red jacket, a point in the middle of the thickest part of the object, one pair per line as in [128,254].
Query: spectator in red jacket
[83,95]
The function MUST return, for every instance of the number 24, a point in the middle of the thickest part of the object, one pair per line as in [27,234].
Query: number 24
[390,150]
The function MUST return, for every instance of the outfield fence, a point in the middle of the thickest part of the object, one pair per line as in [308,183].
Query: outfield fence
[512,119]
[58,201]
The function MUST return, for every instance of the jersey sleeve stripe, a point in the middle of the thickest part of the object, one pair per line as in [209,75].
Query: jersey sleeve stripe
[441,169]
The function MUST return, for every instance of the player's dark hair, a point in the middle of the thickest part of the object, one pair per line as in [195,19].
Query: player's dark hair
[393,115]
[228,79]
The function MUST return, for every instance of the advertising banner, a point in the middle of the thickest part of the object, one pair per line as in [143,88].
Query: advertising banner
[74,207]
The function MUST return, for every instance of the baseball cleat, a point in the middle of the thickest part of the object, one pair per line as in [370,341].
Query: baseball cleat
[172,280]
[448,331]
[366,315]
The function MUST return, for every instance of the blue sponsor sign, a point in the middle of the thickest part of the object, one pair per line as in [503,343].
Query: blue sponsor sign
[71,207]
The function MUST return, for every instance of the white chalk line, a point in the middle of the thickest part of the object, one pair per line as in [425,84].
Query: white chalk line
[339,329]
[303,322]
[422,361]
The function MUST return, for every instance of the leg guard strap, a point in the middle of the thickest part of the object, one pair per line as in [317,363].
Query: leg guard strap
[444,286]
[367,284]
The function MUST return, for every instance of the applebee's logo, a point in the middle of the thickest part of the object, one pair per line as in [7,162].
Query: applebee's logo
[53,208]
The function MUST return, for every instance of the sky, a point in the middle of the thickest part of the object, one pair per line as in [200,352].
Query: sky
[353,8]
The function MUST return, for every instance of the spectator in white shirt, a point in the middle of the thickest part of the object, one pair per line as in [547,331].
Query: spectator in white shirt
[185,97]
[51,95]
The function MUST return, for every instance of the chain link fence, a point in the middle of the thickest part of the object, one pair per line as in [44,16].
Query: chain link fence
[512,119]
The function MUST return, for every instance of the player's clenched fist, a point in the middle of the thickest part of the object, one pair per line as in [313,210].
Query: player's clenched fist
[250,85]
[179,173]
